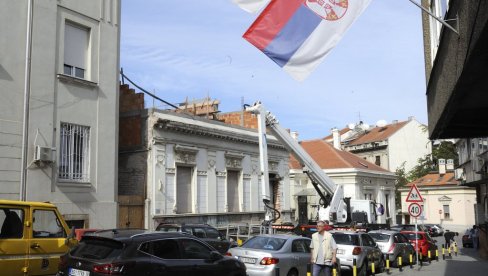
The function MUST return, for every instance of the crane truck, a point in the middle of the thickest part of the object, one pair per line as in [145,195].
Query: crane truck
[334,207]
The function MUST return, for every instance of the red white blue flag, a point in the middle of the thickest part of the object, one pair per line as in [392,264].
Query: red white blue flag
[298,34]
[251,6]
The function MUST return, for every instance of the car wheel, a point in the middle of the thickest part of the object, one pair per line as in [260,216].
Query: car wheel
[292,272]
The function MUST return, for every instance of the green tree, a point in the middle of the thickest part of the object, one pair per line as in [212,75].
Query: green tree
[400,182]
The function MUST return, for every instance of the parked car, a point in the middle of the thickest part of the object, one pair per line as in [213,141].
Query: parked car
[467,238]
[409,227]
[394,244]
[359,246]
[80,232]
[263,254]
[435,229]
[205,232]
[140,252]
[422,243]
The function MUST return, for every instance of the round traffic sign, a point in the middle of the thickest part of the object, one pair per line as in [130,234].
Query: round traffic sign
[415,210]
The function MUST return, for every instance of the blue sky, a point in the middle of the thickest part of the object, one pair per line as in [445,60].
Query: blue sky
[194,49]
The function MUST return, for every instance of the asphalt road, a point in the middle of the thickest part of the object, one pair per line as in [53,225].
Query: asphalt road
[466,263]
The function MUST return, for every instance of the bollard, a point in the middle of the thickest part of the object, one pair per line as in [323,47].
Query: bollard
[388,264]
[372,266]
[428,255]
[443,253]
[449,251]
[334,271]
[420,258]
[436,254]
[400,263]
[309,269]
[455,249]
[354,268]
[411,260]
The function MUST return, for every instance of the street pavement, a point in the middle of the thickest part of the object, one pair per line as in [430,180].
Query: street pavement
[466,263]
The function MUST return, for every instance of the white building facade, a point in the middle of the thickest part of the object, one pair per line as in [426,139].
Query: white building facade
[205,171]
[72,123]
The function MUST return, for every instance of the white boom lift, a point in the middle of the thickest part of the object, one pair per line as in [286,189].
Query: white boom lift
[333,205]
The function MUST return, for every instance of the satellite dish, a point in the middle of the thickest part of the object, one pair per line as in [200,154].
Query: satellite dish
[381,123]
[351,126]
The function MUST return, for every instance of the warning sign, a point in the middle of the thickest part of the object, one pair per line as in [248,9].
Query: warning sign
[414,195]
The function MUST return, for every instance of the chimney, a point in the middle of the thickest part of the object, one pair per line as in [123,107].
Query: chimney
[294,135]
[336,138]
[449,164]
[442,166]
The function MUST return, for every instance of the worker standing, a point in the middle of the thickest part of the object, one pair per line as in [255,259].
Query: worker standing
[324,250]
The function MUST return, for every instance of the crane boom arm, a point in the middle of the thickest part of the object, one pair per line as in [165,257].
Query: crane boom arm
[334,199]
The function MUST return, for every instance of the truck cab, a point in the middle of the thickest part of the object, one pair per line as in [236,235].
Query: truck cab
[33,235]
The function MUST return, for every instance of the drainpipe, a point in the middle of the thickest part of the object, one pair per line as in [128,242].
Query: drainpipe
[25,120]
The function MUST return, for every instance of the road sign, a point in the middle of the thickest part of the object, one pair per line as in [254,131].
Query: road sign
[414,195]
[415,210]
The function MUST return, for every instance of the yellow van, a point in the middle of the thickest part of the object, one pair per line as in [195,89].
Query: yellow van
[32,237]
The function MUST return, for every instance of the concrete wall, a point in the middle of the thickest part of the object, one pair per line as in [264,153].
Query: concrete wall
[408,144]
[56,98]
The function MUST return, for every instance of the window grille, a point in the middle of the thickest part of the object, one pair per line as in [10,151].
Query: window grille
[74,159]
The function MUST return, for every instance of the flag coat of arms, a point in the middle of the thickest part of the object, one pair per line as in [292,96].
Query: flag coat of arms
[298,34]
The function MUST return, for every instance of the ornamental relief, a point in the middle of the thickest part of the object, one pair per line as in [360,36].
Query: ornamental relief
[221,174]
[186,157]
[273,166]
[233,162]
[202,173]
[170,170]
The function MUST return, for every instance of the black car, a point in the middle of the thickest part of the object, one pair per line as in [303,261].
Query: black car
[204,232]
[144,253]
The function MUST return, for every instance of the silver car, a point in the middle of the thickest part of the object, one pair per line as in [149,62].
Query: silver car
[263,255]
[393,244]
[360,247]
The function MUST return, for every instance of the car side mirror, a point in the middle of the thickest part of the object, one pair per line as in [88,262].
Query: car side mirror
[70,240]
[215,256]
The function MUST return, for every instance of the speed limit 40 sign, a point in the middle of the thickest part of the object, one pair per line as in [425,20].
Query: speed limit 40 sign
[415,210]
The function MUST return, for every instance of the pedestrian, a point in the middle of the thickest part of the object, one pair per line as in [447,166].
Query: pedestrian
[449,236]
[324,250]
[475,236]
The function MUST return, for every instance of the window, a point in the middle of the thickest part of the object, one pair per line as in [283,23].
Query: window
[164,249]
[194,250]
[368,196]
[232,191]
[46,224]
[76,40]
[183,190]
[377,160]
[447,214]
[12,223]
[74,159]
[300,246]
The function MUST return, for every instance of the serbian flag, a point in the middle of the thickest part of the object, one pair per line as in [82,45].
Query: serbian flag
[298,34]
[251,6]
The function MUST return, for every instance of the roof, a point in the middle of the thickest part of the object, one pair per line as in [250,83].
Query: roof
[27,203]
[328,157]
[341,132]
[123,235]
[435,179]
[378,134]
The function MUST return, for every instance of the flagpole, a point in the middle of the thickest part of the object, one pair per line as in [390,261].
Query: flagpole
[443,22]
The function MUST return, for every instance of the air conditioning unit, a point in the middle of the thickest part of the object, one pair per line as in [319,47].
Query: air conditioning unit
[43,154]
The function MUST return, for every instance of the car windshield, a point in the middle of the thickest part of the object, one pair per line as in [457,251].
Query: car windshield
[266,243]
[168,229]
[97,249]
[413,236]
[379,237]
[346,239]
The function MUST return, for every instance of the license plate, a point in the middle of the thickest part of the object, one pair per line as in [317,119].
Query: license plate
[340,251]
[248,260]
[77,272]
